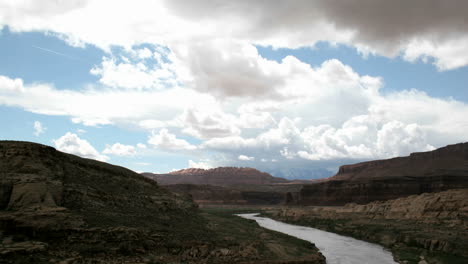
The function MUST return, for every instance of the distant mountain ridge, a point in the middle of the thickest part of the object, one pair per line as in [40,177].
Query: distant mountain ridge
[222,176]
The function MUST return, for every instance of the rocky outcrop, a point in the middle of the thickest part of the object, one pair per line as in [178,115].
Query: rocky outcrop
[222,176]
[442,169]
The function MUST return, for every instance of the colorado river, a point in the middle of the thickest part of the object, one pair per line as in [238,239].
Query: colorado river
[337,249]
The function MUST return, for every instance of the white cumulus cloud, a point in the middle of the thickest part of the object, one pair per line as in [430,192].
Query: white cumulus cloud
[120,150]
[166,141]
[38,128]
[200,165]
[141,146]
[245,158]
[135,72]
[86,106]
[71,143]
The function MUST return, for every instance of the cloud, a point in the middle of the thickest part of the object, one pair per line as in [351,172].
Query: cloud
[141,146]
[134,70]
[245,158]
[255,116]
[87,106]
[208,123]
[71,143]
[199,165]
[193,68]
[317,113]
[226,68]
[120,150]
[38,128]
[166,141]
[414,29]
[362,137]
[377,134]
[11,87]
[380,27]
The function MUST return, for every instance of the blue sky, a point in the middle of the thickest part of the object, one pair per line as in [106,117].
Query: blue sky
[169,90]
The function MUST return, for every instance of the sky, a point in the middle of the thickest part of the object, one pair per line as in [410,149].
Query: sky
[294,88]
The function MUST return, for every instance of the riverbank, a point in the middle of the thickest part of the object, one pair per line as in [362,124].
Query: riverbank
[429,228]
[262,245]
[336,248]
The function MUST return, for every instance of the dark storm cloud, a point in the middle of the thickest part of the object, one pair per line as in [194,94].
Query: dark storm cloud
[390,22]
[381,24]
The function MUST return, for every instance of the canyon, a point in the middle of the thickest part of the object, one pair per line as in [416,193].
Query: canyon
[60,208]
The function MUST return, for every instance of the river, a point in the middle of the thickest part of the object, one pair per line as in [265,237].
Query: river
[337,249]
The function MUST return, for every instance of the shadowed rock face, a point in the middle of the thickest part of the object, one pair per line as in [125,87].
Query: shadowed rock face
[35,177]
[223,176]
[60,204]
[433,171]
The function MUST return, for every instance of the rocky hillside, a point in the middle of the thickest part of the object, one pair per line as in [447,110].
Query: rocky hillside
[47,197]
[36,177]
[442,169]
[222,176]
[59,208]
[431,225]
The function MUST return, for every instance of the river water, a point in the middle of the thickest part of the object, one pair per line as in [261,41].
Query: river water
[336,249]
